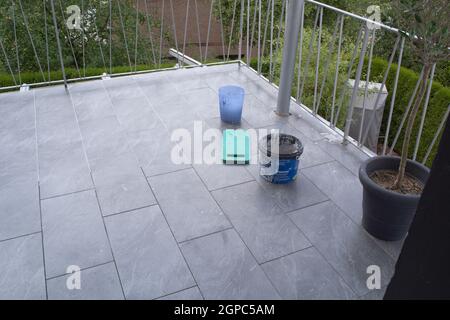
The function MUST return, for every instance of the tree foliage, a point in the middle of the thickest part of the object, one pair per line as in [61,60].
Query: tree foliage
[25,24]
[426,23]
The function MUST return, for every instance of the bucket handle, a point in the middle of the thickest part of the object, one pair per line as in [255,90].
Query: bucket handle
[271,167]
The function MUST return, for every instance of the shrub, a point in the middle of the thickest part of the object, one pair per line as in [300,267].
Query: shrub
[439,101]
[71,73]
[438,104]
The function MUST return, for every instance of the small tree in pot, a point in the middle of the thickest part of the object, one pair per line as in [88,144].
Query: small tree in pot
[427,25]
[389,200]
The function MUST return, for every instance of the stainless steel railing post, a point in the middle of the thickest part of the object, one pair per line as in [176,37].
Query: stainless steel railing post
[289,56]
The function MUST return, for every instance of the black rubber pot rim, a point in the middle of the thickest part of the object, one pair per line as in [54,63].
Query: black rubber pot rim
[368,182]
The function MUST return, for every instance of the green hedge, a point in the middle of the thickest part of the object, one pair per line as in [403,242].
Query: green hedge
[439,101]
[71,73]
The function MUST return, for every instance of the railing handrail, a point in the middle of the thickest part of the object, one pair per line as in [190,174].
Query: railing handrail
[353,15]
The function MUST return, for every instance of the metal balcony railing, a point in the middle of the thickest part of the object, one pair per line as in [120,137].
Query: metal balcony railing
[60,41]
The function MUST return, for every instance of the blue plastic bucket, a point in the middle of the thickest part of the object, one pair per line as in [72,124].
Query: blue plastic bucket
[231,100]
[281,167]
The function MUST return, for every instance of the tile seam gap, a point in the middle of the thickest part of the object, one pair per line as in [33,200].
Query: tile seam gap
[163,174]
[129,211]
[205,235]
[286,255]
[79,132]
[173,235]
[36,138]
[67,194]
[42,243]
[329,199]
[166,127]
[246,246]
[308,206]
[323,257]
[358,225]
[21,236]
[233,185]
[316,165]
[109,242]
[126,133]
[178,291]
[82,269]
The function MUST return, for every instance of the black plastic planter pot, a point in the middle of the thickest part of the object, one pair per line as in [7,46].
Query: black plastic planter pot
[387,215]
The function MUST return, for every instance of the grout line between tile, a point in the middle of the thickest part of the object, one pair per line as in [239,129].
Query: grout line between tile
[205,235]
[233,185]
[173,235]
[287,254]
[79,131]
[118,120]
[82,269]
[166,127]
[309,206]
[240,237]
[128,211]
[67,194]
[163,174]
[42,243]
[315,165]
[261,184]
[322,255]
[36,137]
[21,236]
[166,295]
[109,242]
[150,104]
[357,223]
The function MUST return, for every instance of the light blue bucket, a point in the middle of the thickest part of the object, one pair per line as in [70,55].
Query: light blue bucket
[231,101]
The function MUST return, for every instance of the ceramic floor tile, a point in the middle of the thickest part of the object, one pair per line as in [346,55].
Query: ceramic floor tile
[92,104]
[340,185]
[135,114]
[345,245]
[74,234]
[349,156]
[217,176]
[22,269]
[264,227]
[153,149]
[120,184]
[97,283]
[103,138]
[225,269]
[149,261]
[190,209]
[19,208]
[300,193]
[305,275]
[63,169]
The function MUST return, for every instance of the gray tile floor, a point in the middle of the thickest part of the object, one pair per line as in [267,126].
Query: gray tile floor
[86,180]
